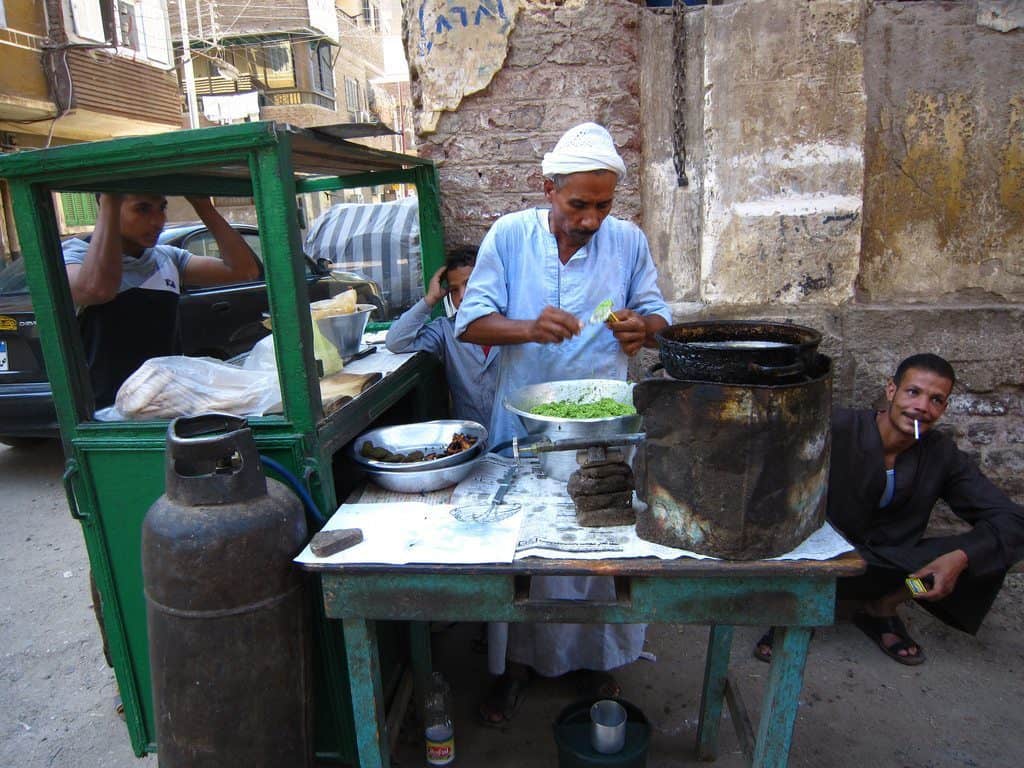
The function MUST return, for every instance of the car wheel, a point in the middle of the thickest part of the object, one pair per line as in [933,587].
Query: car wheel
[22,442]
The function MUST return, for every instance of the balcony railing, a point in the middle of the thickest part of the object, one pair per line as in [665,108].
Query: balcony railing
[216,86]
[207,86]
[293,97]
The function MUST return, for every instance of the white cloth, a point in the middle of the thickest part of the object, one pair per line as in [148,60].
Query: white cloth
[517,274]
[586,147]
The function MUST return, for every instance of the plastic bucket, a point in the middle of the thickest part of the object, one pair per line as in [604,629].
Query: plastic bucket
[572,735]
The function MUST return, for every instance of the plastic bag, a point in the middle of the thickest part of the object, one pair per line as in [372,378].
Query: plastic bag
[165,387]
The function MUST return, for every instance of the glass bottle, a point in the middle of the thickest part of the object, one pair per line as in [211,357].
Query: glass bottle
[438,728]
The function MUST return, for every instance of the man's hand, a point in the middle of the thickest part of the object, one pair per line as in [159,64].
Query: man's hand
[554,326]
[944,570]
[435,292]
[629,330]
[97,279]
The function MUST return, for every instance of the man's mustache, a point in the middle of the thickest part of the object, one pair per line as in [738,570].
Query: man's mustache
[588,233]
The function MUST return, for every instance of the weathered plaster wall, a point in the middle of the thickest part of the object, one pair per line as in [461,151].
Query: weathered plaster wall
[672,211]
[783,134]
[801,122]
[454,48]
[944,200]
[566,64]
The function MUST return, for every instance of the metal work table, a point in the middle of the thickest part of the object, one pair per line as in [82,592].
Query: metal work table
[793,596]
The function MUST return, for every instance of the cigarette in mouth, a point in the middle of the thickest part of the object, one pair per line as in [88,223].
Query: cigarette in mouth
[917,431]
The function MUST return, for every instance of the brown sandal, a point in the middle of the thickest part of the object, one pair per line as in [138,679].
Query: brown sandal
[764,647]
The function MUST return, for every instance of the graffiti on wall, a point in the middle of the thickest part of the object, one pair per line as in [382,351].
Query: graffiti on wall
[456,49]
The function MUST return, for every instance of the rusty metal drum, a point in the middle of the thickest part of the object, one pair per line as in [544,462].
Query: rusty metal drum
[734,471]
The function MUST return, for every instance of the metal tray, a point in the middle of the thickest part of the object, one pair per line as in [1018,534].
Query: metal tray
[425,436]
[424,480]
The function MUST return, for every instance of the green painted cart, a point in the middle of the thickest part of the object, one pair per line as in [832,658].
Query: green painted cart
[114,471]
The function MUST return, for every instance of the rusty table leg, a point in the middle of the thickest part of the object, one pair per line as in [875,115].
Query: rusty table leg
[781,697]
[716,667]
[367,698]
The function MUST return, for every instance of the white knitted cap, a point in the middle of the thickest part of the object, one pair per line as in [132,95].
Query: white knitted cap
[587,147]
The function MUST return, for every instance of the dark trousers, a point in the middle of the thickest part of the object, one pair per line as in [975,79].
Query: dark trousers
[964,609]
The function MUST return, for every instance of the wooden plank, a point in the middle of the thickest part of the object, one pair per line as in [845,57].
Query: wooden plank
[399,705]
[716,668]
[727,599]
[847,564]
[340,388]
[781,697]
[740,717]
[367,699]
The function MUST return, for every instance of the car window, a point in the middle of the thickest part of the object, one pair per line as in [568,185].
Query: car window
[205,244]
[12,278]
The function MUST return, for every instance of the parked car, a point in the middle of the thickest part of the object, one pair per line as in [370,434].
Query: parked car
[379,240]
[222,321]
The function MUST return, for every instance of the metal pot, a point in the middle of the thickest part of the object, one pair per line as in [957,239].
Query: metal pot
[734,471]
[738,351]
[561,464]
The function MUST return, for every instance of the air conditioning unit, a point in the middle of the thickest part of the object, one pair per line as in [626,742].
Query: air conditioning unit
[366,116]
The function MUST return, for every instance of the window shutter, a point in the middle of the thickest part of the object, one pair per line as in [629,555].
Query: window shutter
[152,17]
[80,209]
[88,19]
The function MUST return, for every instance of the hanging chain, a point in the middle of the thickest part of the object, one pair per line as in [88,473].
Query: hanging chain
[679,92]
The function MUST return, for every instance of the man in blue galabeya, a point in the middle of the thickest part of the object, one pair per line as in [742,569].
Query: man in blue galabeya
[539,276]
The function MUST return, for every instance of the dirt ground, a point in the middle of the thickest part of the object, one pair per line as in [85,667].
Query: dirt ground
[962,708]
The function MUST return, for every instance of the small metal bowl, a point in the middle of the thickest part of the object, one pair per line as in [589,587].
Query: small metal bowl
[425,436]
[345,332]
[424,480]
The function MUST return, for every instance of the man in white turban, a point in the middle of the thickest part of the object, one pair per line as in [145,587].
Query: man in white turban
[540,275]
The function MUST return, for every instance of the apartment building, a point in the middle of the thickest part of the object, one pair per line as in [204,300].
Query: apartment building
[81,70]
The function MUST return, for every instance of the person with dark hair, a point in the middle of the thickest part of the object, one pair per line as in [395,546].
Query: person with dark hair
[888,469]
[126,286]
[471,369]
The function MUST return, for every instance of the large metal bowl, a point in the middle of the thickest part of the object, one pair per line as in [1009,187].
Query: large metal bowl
[561,464]
[425,436]
[423,480]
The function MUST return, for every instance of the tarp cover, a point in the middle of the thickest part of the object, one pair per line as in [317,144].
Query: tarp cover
[378,240]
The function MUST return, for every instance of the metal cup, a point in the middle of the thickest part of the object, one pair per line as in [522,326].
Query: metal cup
[607,726]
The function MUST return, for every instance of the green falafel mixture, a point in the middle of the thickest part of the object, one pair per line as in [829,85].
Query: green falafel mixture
[604,408]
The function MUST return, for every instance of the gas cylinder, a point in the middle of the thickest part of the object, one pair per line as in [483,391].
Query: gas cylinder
[228,617]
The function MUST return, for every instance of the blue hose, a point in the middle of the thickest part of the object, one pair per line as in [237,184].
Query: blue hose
[307,501]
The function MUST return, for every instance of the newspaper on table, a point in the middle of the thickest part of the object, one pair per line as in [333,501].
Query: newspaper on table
[417,532]
[549,528]
[534,517]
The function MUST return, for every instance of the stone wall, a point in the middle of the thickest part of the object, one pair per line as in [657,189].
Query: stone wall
[944,182]
[853,166]
[565,64]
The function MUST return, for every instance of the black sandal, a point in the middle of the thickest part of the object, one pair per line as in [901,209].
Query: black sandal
[876,626]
